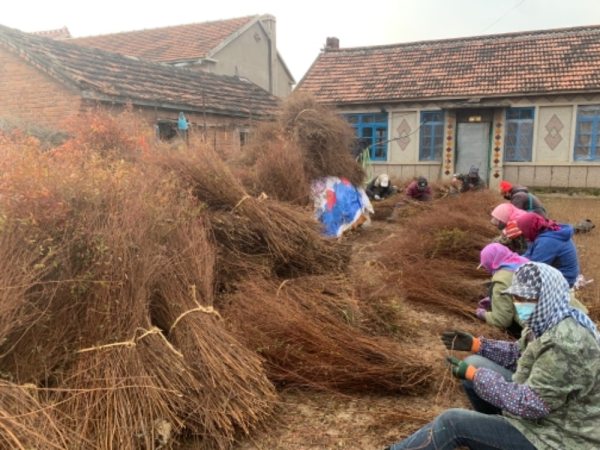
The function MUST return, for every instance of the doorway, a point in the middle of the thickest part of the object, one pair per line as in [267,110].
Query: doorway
[473,141]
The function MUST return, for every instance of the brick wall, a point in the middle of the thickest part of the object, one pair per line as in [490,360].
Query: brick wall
[29,95]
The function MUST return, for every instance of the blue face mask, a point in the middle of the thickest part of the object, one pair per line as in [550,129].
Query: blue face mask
[524,309]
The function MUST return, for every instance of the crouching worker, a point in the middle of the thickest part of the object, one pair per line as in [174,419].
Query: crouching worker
[551,401]
[419,190]
[380,187]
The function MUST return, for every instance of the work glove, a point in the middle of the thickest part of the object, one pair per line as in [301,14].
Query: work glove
[480,313]
[461,369]
[460,340]
[485,303]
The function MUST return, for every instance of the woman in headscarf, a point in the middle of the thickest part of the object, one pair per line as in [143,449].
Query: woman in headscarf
[550,243]
[552,401]
[504,217]
[499,310]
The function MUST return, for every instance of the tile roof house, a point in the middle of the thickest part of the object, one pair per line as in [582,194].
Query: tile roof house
[45,80]
[244,46]
[521,106]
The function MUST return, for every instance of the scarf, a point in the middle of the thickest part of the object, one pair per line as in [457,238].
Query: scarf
[532,224]
[496,256]
[548,285]
[505,212]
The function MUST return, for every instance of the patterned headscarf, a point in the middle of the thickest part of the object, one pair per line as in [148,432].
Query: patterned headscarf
[506,211]
[496,256]
[532,224]
[546,284]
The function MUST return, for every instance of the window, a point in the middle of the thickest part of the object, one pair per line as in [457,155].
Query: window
[371,131]
[431,141]
[587,147]
[518,137]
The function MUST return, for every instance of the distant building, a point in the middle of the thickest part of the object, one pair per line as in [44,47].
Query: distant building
[61,33]
[44,81]
[244,47]
[521,106]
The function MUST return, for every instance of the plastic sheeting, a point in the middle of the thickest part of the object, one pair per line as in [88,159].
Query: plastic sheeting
[339,204]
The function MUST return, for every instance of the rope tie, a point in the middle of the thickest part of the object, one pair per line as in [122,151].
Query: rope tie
[198,308]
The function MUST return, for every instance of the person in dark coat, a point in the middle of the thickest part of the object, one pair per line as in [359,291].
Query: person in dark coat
[522,198]
[419,190]
[469,182]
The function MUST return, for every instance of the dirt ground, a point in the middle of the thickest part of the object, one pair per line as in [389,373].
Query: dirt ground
[325,420]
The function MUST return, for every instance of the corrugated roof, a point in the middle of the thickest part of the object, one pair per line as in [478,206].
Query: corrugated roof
[169,44]
[526,63]
[108,76]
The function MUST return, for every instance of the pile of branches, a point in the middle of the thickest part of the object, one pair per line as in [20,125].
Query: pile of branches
[109,282]
[145,299]
[309,141]
[307,329]
[437,254]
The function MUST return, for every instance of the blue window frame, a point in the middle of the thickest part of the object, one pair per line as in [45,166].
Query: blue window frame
[587,137]
[431,140]
[371,131]
[518,136]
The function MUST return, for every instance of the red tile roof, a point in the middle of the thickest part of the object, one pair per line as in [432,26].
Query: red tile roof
[169,44]
[111,77]
[527,63]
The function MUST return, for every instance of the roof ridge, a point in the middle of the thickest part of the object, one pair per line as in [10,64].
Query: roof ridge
[531,34]
[166,27]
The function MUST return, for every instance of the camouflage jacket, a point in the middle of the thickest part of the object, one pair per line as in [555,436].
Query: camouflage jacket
[563,367]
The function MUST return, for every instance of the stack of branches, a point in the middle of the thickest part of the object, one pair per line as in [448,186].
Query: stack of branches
[437,254]
[183,305]
[307,330]
[254,232]
[309,141]
[82,314]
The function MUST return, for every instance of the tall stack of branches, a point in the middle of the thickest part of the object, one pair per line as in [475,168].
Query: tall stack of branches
[308,141]
[437,253]
[92,305]
[308,331]
[254,234]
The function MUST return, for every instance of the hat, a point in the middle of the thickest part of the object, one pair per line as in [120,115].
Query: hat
[473,172]
[526,282]
[384,180]
[505,186]
[422,181]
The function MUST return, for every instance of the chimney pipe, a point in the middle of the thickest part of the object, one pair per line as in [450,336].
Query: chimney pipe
[332,43]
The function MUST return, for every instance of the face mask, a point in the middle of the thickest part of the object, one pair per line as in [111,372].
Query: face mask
[524,310]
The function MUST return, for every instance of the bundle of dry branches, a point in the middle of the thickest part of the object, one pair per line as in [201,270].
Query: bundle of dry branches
[183,305]
[288,237]
[309,141]
[307,336]
[436,256]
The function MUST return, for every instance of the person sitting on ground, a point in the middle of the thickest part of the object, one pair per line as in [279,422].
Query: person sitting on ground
[504,218]
[542,392]
[380,187]
[469,182]
[522,198]
[550,243]
[497,308]
[419,190]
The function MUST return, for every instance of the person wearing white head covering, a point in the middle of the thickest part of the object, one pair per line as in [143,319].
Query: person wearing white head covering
[380,187]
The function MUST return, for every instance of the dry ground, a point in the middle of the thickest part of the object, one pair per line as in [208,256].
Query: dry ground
[325,420]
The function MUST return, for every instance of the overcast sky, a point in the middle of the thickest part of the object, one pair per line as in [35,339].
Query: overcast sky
[302,26]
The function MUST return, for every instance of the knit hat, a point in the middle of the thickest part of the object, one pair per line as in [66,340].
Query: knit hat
[421,183]
[505,186]
[473,172]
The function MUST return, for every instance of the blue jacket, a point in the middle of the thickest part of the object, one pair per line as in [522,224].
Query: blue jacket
[557,249]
